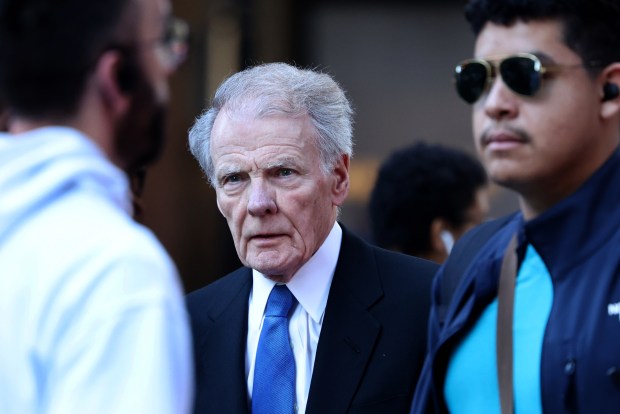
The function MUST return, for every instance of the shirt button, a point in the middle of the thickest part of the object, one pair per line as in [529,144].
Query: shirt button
[569,367]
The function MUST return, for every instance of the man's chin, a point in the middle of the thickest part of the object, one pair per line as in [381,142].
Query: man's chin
[272,270]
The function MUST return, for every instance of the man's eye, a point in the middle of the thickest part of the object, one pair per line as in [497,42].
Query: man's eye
[285,172]
[231,179]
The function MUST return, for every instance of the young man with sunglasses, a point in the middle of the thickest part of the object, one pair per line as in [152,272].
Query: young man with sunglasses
[93,319]
[546,119]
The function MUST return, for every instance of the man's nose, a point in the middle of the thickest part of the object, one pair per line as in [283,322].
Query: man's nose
[261,199]
[500,101]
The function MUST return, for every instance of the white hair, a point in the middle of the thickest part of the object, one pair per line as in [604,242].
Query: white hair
[280,89]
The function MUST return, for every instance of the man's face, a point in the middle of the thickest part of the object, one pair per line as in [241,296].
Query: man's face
[152,29]
[141,132]
[279,203]
[543,145]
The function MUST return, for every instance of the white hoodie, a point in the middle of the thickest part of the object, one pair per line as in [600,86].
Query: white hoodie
[91,310]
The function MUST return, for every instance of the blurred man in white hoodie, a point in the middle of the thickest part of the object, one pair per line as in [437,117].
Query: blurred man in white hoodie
[92,318]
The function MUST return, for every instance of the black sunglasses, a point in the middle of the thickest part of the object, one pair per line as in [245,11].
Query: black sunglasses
[522,73]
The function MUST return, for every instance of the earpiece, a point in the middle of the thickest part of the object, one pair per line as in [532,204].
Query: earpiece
[447,239]
[610,91]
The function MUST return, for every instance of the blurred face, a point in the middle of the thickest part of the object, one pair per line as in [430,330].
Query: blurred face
[542,146]
[152,30]
[141,132]
[278,202]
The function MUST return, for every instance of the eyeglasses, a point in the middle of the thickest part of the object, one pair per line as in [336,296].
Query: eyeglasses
[522,73]
[173,46]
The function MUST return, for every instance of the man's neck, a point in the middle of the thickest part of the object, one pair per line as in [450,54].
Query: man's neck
[21,125]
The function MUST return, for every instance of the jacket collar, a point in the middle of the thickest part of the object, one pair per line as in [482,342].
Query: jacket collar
[577,226]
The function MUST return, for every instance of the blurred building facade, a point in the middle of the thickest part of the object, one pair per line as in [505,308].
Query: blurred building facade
[394,58]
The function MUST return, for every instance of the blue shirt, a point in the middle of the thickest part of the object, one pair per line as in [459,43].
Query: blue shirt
[578,239]
[471,382]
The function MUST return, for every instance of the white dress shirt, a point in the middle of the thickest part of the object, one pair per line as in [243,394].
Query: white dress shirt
[310,286]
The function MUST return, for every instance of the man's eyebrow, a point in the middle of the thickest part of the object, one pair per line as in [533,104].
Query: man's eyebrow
[282,162]
[227,170]
[544,57]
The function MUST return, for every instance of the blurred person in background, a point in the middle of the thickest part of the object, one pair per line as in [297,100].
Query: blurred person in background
[93,319]
[426,197]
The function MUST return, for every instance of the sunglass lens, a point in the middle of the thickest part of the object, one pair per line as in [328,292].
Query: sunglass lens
[471,80]
[521,74]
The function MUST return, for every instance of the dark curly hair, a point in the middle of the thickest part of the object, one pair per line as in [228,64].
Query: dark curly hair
[417,184]
[591,27]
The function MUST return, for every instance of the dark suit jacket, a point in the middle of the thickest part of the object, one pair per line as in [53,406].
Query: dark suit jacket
[372,342]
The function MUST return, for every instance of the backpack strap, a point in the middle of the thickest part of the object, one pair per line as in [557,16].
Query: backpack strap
[462,256]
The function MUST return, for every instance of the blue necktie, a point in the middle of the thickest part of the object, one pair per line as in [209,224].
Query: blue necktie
[274,371]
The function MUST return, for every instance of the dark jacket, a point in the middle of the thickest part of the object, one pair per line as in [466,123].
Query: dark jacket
[372,343]
[579,242]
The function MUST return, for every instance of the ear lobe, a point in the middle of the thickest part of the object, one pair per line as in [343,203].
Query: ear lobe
[112,94]
[341,183]
[217,202]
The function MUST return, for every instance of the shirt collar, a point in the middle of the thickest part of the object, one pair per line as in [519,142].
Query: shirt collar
[310,285]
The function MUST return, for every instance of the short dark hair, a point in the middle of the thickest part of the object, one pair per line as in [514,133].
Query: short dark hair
[591,27]
[417,184]
[48,48]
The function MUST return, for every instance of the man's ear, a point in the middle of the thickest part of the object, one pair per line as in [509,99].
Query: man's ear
[109,80]
[217,202]
[340,173]
[610,83]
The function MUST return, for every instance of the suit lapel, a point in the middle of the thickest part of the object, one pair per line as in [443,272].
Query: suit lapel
[223,347]
[349,331]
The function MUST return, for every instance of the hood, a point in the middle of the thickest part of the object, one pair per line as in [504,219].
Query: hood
[43,164]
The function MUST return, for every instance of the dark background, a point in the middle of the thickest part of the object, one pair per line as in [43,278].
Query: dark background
[394,59]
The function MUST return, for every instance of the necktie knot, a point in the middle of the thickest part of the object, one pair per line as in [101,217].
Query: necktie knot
[279,302]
